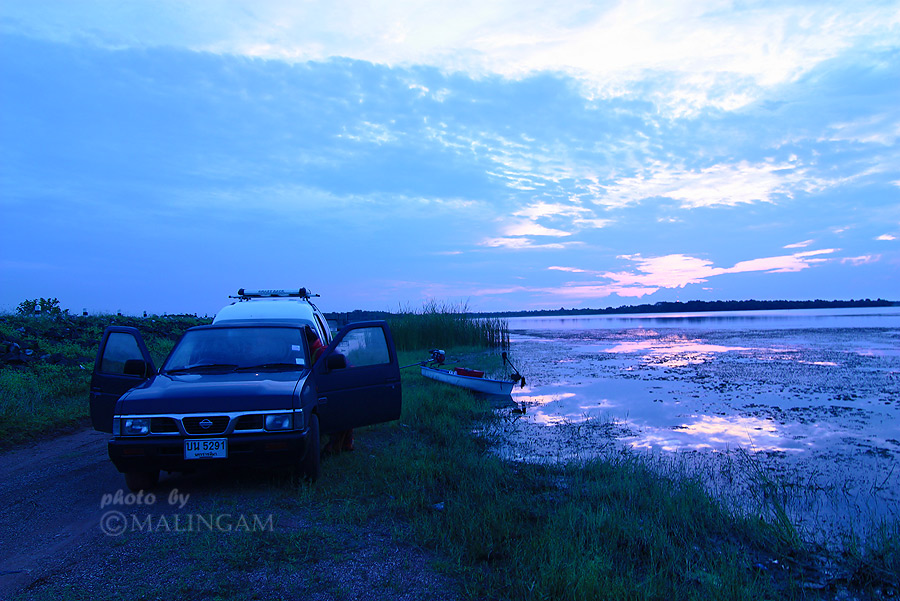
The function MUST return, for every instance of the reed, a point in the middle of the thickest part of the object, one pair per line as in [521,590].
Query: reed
[444,325]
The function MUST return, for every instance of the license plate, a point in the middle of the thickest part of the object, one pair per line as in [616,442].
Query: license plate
[206,448]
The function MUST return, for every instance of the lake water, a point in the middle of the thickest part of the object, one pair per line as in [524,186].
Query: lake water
[813,396]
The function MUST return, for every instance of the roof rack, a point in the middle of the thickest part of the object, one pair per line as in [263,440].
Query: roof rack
[245,294]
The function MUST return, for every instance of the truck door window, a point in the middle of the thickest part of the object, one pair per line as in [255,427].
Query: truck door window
[120,347]
[365,346]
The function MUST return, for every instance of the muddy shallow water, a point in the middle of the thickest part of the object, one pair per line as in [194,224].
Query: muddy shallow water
[805,401]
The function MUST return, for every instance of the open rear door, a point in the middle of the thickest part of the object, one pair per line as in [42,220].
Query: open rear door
[365,390]
[123,362]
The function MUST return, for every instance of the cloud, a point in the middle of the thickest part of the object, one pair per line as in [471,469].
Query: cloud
[783,264]
[677,271]
[583,291]
[669,271]
[542,209]
[528,228]
[571,148]
[882,129]
[861,260]
[567,269]
[520,243]
[718,185]
[710,56]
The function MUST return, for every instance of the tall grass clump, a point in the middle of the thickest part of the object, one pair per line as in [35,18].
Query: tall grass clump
[875,559]
[439,325]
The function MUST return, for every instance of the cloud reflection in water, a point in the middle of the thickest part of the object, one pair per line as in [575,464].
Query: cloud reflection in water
[712,432]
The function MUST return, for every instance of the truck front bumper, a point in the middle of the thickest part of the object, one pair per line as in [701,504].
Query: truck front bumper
[146,453]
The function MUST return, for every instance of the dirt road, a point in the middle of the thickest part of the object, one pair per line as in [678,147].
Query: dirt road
[50,504]
[57,536]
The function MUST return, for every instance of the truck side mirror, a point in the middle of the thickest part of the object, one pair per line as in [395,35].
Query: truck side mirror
[136,367]
[335,361]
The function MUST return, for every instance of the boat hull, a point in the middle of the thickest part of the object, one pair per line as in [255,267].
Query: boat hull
[484,385]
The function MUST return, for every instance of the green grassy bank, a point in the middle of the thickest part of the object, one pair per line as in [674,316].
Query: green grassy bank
[608,529]
[46,364]
[604,530]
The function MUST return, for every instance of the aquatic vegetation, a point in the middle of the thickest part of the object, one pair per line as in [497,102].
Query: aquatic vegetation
[439,325]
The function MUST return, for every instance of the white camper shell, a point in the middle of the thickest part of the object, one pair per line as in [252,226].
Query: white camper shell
[283,306]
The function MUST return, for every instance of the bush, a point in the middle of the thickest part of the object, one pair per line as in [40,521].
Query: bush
[41,306]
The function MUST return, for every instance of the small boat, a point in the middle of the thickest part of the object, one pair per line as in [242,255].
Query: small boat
[469,378]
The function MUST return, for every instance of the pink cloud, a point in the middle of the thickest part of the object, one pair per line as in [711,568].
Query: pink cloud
[651,274]
[677,271]
[784,264]
[861,260]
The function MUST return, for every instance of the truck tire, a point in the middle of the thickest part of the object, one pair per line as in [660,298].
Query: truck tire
[138,481]
[310,466]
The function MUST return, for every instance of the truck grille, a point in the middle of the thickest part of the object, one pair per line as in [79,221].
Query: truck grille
[250,422]
[215,424]
[163,425]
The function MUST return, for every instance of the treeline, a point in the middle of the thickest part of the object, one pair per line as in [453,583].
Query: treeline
[697,306]
[694,306]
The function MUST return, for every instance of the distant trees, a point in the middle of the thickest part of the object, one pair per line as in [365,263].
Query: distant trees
[697,306]
[48,307]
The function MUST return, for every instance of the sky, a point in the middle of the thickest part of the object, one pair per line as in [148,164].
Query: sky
[500,155]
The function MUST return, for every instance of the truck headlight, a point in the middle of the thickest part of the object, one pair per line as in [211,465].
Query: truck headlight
[135,426]
[280,421]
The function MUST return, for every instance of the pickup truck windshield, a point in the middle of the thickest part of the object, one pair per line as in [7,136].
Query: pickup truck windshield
[238,348]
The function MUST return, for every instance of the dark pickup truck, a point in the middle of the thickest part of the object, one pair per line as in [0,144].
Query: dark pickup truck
[241,393]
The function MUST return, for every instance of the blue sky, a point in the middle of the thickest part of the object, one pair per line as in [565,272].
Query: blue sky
[509,155]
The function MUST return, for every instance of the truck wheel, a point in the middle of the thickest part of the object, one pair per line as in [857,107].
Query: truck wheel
[137,481]
[310,466]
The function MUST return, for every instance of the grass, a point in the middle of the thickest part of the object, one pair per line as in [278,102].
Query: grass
[46,390]
[610,528]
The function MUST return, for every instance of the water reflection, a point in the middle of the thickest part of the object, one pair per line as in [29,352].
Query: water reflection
[536,400]
[785,386]
[673,351]
[713,432]
[787,319]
